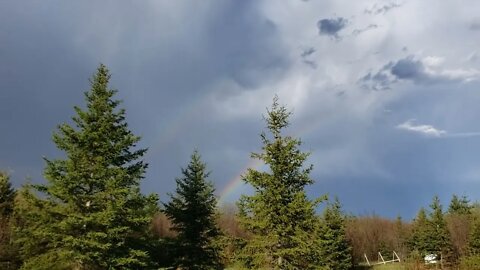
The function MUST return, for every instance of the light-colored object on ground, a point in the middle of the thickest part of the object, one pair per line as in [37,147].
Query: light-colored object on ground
[431,258]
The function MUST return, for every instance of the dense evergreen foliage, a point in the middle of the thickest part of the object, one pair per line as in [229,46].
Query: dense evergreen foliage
[439,236]
[91,214]
[192,211]
[7,196]
[279,217]
[474,243]
[420,232]
[430,233]
[335,252]
[9,258]
[459,206]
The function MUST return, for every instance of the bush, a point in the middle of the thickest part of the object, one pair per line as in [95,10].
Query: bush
[470,263]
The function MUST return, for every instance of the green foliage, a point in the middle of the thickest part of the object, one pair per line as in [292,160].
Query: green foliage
[420,232]
[474,239]
[7,196]
[192,211]
[460,206]
[430,234]
[470,263]
[279,217]
[9,258]
[335,250]
[439,238]
[91,214]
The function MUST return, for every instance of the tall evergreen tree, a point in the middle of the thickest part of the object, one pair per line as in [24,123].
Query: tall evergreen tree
[460,206]
[335,249]
[8,251]
[91,214]
[430,233]
[192,211]
[419,239]
[278,216]
[7,196]
[439,237]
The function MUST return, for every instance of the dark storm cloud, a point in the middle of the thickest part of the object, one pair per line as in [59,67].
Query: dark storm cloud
[161,64]
[331,27]
[403,69]
[187,70]
[382,8]
[409,69]
[414,70]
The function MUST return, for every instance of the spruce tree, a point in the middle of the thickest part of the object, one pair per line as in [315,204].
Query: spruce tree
[192,210]
[418,240]
[459,206]
[474,239]
[335,249]
[439,237]
[7,196]
[91,213]
[8,251]
[278,217]
[430,233]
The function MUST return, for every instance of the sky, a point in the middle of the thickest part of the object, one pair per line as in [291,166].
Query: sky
[384,94]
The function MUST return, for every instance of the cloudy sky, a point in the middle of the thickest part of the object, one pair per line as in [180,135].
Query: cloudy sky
[385,94]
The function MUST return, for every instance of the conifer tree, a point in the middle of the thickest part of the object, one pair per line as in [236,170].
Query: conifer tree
[439,237]
[8,251]
[430,233]
[7,196]
[474,239]
[91,214]
[278,216]
[418,240]
[459,206]
[192,211]
[335,249]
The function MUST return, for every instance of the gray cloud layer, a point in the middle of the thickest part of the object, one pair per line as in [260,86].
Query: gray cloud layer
[200,74]
[417,71]
[331,27]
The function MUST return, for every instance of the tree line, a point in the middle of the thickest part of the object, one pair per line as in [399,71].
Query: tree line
[90,213]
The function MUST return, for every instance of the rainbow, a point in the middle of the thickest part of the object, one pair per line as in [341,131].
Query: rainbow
[184,117]
[170,131]
[236,183]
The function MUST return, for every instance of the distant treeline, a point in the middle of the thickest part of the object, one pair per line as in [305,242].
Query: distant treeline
[90,213]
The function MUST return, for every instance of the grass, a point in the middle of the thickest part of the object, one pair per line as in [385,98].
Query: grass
[391,266]
[399,266]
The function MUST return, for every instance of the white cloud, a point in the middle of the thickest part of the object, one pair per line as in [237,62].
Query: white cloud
[426,130]
[433,61]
